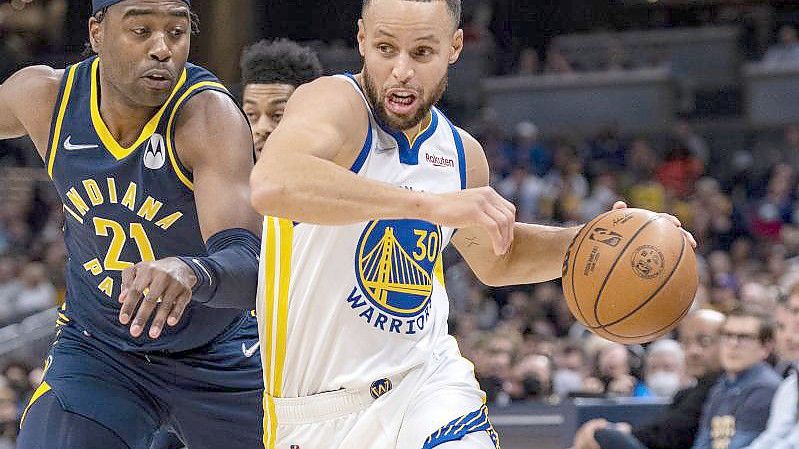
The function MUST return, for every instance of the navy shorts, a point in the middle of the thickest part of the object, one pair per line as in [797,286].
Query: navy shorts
[211,397]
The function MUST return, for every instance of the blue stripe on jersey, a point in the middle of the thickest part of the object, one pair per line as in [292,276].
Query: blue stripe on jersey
[477,421]
[367,145]
[461,156]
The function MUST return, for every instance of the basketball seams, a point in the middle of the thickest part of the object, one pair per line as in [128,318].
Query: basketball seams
[613,266]
[662,329]
[652,296]
[587,228]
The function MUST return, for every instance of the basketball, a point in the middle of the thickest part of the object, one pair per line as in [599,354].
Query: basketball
[630,276]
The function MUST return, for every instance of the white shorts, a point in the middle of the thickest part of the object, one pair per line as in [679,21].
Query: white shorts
[425,407]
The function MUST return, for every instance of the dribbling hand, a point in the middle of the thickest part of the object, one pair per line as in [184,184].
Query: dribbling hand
[164,285]
[671,218]
[480,207]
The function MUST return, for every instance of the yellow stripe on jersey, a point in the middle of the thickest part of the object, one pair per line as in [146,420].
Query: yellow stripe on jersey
[106,137]
[438,271]
[278,235]
[270,422]
[62,109]
[74,214]
[184,178]
[43,388]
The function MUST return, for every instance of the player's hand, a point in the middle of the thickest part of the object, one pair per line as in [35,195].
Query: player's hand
[482,208]
[671,218]
[164,285]
[584,439]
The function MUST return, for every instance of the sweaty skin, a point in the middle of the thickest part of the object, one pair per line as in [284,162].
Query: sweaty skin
[143,46]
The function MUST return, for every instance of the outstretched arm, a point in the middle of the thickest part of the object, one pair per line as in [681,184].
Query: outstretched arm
[213,141]
[303,173]
[536,253]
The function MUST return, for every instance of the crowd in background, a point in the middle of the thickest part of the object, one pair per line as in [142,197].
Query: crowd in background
[523,341]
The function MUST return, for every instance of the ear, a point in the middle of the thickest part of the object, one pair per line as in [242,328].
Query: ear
[457,46]
[361,38]
[95,34]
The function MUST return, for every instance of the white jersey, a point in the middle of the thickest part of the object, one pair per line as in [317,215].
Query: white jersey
[341,306]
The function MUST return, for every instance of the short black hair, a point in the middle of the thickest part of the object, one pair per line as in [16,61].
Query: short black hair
[281,61]
[99,16]
[454,6]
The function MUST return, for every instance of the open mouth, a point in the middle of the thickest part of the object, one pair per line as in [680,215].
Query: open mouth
[158,79]
[401,102]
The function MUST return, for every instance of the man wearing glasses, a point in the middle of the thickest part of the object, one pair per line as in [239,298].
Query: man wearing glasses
[737,408]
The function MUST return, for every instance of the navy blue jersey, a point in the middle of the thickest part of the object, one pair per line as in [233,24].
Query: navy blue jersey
[125,205]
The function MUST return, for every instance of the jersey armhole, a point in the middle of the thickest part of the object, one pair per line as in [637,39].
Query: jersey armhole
[59,111]
[183,173]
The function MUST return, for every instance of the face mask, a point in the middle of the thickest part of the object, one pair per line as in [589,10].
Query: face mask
[532,386]
[566,381]
[663,384]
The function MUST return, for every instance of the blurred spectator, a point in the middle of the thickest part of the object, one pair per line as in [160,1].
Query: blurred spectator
[603,194]
[533,378]
[9,422]
[676,427]
[37,291]
[528,149]
[613,373]
[786,51]
[529,63]
[685,137]
[607,152]
[782,431]
[570,370]
[680,171]
[524,190]
[644,191]
[737,407]
[557,63]
[10,287]
[664,370]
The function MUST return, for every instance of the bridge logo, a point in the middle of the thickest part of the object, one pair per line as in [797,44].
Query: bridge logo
[394,264]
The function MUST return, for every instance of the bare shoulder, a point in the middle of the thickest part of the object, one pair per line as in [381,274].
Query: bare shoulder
[210,121]
[330,111]
[35,83]
[477,172]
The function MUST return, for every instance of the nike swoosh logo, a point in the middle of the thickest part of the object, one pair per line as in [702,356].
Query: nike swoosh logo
[248,352]
[68,145]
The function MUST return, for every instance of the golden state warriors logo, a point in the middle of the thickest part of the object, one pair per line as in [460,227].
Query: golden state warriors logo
[394,266]
[395,263]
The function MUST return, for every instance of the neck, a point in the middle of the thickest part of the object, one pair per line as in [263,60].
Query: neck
[124,119]
[414,132]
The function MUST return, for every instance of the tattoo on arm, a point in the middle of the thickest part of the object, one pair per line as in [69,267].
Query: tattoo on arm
[472,241]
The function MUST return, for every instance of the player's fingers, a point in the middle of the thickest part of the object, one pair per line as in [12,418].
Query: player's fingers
[619,205]
[690,237]
[673,219]
[165,306]
[133,293]
[155,290]
[497,225]
[177,310]
[127,277]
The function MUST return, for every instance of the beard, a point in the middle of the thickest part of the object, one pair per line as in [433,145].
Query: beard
[377,100]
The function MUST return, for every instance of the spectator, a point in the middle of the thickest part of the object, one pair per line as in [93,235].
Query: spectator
[786,51]
[10,287]
[685,137]
[37,291]
[676,427]
[613,372]
[528,149]
[680,171]
[529,64]
[664,370]
[737,407]
[570,370]
[782,431]
[533,378]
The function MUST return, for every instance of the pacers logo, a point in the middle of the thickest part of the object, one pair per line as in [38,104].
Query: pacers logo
[395,264]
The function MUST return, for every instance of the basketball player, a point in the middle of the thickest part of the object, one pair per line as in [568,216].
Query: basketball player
[149,155]
[270,72]
[372,181]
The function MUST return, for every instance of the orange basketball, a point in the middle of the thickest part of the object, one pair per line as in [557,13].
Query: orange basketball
[630,276]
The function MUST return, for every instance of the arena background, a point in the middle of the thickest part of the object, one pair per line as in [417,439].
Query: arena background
[684,106]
